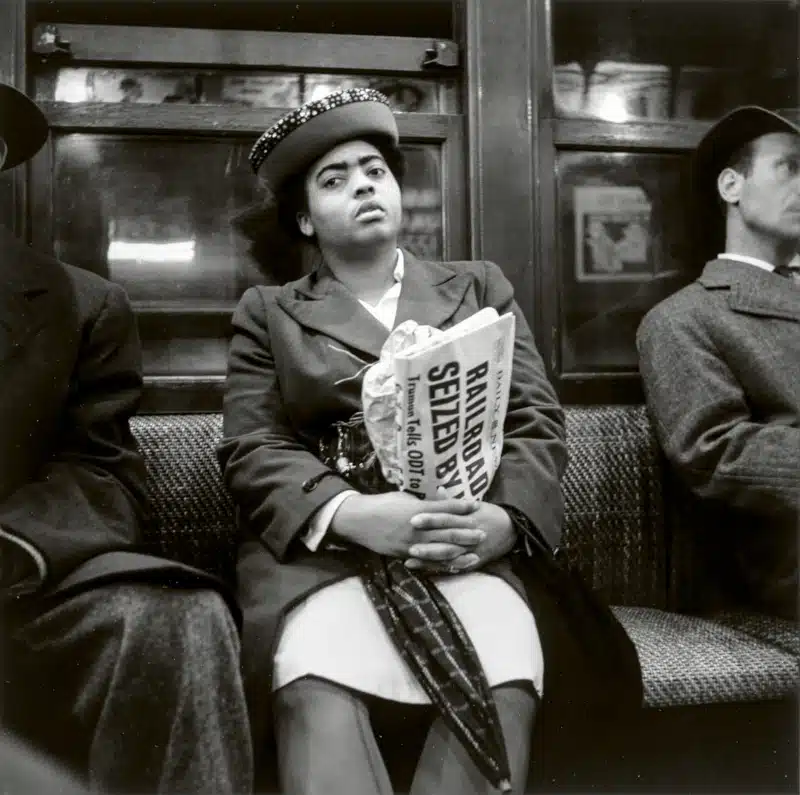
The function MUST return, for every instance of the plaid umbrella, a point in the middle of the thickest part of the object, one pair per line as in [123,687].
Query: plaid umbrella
[423,627]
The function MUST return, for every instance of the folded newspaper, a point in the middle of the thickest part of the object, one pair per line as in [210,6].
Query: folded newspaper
[435,404]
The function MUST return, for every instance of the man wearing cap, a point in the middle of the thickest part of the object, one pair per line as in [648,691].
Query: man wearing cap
[720,361]
[130,682]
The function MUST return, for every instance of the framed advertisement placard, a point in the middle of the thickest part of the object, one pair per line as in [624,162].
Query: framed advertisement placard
[613,235]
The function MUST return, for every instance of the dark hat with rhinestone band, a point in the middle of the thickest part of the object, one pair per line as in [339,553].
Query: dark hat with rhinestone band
[305,134]
[23,126]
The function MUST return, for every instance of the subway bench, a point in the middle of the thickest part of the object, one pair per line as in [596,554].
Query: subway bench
[720,689]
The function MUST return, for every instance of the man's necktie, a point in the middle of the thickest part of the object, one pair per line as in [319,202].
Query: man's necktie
[789,272]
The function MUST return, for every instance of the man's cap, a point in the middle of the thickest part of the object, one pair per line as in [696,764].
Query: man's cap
[718,145]
[729,134]
[302,136]
[22,126]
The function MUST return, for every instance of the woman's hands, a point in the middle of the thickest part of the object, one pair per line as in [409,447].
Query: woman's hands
[434,536]
[430,557]
[383,523]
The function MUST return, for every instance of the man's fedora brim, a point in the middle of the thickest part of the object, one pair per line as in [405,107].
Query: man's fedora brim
[23,126]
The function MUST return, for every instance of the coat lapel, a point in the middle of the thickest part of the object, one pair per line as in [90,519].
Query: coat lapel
[322,304]
[25,286]
[753,291]
[431,294]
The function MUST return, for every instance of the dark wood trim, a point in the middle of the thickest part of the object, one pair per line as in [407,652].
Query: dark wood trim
[623,375]
[172,308]
[179,395]
[12,54]
[12,71]
[210,119]
[671,135]
[600,388]
[470,32]
[179,325]
[40,193]
[548,313]
[456,209]
[455,162]
[500,142]
[251,49]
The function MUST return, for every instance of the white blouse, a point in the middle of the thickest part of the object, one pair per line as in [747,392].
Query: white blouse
[336,633]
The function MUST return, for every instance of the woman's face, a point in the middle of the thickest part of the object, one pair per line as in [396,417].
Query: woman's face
[353,199]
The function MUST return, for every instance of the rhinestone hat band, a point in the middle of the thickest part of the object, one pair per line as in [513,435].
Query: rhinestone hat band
[296,118]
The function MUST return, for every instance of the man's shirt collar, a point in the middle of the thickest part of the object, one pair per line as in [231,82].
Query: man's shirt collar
[759,263]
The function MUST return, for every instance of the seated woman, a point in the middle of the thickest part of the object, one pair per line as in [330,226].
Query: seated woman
[356,599]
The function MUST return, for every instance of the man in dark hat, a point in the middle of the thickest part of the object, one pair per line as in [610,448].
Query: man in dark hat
[720,361]
[132,683]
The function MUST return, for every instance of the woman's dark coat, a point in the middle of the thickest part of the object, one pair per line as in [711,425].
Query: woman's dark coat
[291,344]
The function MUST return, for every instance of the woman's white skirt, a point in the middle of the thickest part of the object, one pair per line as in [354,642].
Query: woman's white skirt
[336,634]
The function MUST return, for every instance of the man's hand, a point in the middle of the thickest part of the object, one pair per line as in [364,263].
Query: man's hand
[383,523]
[431,557]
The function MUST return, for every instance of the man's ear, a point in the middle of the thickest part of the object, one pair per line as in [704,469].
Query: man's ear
[304,222]
[729,185]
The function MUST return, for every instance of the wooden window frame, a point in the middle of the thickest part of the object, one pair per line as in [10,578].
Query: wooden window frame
[12,71]
[555,135]
[199,48]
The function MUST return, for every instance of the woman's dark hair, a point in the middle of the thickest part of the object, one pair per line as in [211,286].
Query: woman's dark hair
[277,246]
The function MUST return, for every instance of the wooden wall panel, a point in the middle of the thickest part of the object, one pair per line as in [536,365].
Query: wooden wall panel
[12,71]
[501,117]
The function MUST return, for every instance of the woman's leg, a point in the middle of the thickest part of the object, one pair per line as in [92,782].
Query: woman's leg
[325,741]
[445,768]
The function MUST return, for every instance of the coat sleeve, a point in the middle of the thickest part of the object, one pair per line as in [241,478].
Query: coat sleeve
[263,462]
[704,424]
[534,445]
[89,497]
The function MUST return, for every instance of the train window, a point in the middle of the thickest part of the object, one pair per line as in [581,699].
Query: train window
[628,89]
[623,247]
[620,60]
[262,89]
[147,168]
[165,231]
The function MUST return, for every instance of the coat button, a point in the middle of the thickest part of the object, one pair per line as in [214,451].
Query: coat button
[310,484]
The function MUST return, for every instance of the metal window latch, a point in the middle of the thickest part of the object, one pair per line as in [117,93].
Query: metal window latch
[441,54]
[49,46]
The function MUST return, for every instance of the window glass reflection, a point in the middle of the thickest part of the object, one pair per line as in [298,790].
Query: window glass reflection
[155,215]
[246,89]
[624,247]
[619,60]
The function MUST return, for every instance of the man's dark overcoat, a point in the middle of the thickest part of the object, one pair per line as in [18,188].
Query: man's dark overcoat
[72,483]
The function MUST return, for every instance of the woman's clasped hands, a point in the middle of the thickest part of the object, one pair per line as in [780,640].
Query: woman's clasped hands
[442,536]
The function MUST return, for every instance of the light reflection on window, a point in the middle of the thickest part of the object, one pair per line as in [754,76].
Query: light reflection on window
[670,59]
[175,252]
[613,91]
[248,89]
